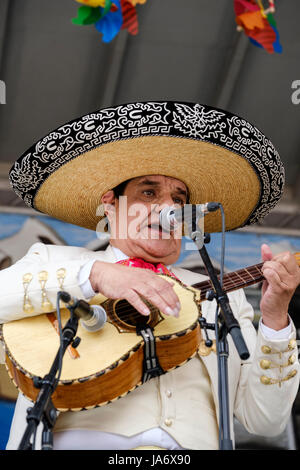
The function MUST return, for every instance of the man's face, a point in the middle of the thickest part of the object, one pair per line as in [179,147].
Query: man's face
[135,219]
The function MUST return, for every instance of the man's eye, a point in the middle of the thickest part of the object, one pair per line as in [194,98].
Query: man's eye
[178,201]
[148,192]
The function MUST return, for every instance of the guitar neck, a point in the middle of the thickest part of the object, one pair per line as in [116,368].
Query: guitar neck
[233,281]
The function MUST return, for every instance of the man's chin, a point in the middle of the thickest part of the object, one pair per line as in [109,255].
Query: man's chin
[158,250]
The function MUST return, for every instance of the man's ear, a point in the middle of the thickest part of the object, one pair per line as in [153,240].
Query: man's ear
[109,198]
[107,208]
[109,202]
[109,205]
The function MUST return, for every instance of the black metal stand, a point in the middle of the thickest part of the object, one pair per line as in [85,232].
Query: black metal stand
[224,427]
[228,324]
[43,410]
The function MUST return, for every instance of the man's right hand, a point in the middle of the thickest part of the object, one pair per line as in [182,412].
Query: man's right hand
[123,282]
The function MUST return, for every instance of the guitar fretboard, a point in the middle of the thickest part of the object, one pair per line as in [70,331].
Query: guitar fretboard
[233,281]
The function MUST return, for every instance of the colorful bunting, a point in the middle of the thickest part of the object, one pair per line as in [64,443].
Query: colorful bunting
[130,21]
[109,16]
[258,24]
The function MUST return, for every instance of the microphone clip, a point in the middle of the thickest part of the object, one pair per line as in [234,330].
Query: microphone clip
[79,307]
[206,326]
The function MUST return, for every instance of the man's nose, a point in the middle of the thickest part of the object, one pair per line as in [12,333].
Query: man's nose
[165,201]
[155,212]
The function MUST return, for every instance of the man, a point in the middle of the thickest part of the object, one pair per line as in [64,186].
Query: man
[161,165]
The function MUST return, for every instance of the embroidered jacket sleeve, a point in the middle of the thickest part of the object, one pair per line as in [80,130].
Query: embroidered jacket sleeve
[262,389]
[269,379]
[30,286]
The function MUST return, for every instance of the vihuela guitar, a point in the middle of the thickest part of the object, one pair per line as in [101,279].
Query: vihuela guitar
[109,363]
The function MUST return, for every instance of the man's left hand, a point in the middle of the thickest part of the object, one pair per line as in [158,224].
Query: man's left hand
[282,277]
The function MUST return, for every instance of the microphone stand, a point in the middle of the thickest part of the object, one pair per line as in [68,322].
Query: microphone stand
[228,323]
[43,409]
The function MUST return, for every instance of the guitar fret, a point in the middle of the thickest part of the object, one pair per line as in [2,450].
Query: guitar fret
[240,278]
[249,277]
[256,273]
[249,274]
[228,277]
[257,269]
[234,280]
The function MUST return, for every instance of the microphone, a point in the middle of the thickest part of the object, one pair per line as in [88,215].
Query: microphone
[170,218]
[93,317]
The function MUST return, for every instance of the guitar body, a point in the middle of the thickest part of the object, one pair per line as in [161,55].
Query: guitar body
[109,362]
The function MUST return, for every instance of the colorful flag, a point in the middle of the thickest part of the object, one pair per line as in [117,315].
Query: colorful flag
[258,24]
[109,16]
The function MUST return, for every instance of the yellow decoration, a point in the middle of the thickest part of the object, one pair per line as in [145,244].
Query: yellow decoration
[92,3]
[46,304]
[135,2]
[292,344]
[261,8]
[265,364]
[61,274]
[27,305]
[266,349]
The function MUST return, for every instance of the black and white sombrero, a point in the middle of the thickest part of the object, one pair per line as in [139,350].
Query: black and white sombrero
[218,155]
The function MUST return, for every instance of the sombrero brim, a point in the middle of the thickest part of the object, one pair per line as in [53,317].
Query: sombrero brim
[219,156]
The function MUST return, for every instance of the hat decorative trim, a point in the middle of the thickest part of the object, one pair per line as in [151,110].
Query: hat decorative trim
[132,121]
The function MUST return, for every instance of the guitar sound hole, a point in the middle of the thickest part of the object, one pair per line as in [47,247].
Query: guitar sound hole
[126,318]
[128,315]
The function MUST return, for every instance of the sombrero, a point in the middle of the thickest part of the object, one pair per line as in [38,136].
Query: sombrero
[218,155]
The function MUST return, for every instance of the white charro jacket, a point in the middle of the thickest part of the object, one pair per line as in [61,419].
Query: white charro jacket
[184,402]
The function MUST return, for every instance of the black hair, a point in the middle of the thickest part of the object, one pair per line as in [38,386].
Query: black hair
[119,190]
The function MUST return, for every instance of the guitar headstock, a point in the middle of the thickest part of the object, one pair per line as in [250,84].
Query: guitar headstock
[297,257]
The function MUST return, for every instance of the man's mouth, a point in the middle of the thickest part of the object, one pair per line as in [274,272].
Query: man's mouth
[157,227]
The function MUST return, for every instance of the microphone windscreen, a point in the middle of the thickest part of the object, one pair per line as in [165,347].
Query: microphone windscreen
[97,321]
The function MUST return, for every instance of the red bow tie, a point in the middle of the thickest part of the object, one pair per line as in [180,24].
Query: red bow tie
[140,263]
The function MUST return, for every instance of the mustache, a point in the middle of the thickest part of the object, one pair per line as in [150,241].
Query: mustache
[145,222]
